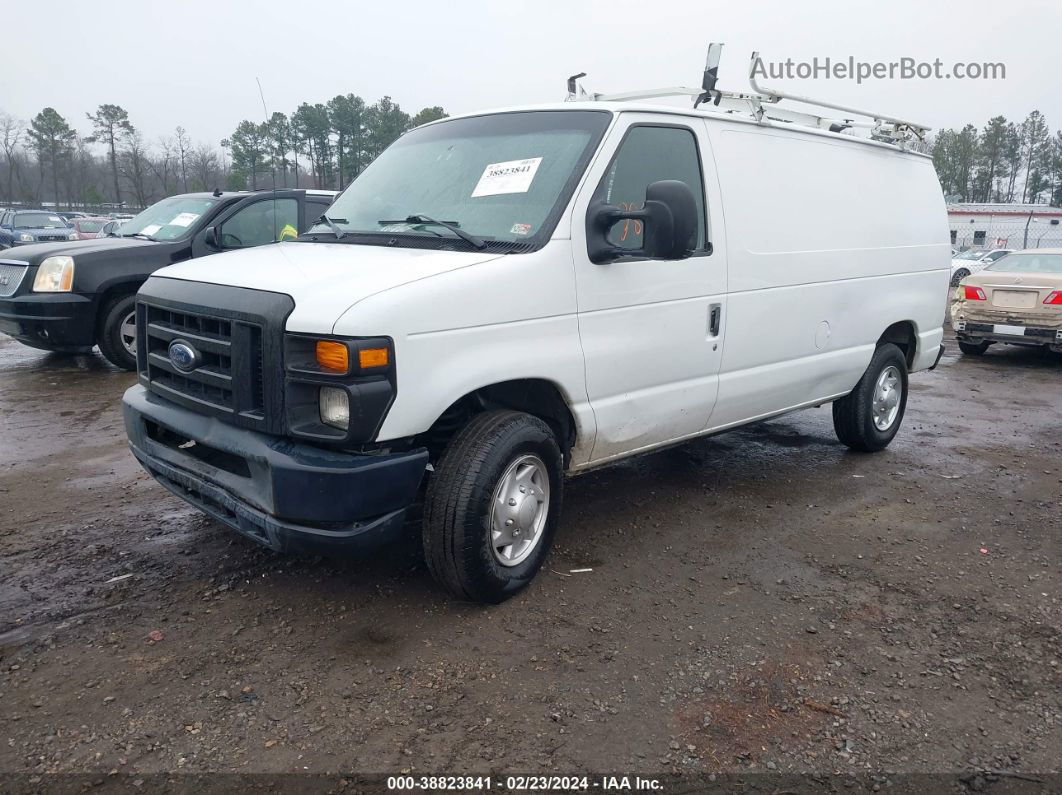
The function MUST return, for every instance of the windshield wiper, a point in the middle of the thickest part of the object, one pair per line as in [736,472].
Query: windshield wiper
[423,220]
[333,224]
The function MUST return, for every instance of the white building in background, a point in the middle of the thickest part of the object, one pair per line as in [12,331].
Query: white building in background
[1014,226]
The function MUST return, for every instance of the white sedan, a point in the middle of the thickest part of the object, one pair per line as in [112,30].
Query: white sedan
[973,261]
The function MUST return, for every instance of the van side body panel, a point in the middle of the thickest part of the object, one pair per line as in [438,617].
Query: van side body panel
[829,243]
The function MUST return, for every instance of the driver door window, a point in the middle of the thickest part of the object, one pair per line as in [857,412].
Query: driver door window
[260,223]
[649,154]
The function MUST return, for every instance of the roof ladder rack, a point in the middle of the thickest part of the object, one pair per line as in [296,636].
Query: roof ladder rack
[761,104]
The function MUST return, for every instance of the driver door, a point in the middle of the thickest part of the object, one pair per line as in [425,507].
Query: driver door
[651,330]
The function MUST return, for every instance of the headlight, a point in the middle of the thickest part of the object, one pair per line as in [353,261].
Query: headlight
[25,237]
[54,275]
[335,407]
[72,236]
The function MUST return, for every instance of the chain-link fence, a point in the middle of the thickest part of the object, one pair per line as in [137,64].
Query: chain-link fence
[1019,234]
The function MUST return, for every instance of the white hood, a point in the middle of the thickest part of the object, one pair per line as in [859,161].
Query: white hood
[325,279]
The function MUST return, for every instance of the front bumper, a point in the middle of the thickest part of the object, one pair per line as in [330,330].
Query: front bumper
[283,494]
[50,321]
[976,331]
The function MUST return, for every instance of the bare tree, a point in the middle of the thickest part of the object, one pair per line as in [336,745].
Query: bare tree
[205,167]
[183,144]
[11,131]
[133,165]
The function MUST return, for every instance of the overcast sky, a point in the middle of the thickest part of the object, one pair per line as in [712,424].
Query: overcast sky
[194,63]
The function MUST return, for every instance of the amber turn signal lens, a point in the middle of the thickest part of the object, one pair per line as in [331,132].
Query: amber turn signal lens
[333,356]
[373,357]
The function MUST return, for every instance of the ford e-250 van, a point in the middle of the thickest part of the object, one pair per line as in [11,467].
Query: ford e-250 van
[503,298]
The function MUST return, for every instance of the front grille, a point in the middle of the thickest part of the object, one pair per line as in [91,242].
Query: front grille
[52,238]
[211,383]
[11,274]
[239,373]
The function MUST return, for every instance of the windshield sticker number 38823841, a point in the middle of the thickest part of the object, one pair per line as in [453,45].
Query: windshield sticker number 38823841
[512,176]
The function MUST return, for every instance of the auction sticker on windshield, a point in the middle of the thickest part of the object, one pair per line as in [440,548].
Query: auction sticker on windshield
[150,229]
[512,176]
[184,219]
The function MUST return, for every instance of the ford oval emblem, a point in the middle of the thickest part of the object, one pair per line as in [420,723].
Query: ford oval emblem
[183,356]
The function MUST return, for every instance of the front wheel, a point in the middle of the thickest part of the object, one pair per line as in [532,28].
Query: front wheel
[117,335]
[869,416]
[492,506]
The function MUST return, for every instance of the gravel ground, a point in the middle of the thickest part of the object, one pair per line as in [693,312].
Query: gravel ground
[760,601]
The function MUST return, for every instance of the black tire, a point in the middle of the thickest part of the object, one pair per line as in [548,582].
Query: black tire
[853,415]
[958,276]
[973,348]
[457,536]
[109,337]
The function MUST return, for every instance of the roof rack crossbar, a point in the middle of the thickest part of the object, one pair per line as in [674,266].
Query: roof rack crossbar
[883,127]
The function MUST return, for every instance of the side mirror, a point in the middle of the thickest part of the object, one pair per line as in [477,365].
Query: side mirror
[211,237]
[669,216]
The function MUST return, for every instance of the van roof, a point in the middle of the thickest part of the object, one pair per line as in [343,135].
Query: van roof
[707,112]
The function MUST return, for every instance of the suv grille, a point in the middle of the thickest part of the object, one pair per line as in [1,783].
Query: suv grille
[11,277]
[238,374]
[52,238]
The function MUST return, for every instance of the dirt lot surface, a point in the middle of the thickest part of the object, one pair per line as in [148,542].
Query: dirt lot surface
[763,600]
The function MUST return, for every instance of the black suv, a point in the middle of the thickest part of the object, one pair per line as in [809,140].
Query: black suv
[70,296]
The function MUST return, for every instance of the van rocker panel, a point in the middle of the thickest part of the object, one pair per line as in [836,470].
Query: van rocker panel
[283,494]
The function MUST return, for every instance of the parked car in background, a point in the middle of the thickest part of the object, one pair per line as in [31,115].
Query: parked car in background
[973,261]
[69,297]
[1016,300]
[88,228]
[70,215]
[25,227]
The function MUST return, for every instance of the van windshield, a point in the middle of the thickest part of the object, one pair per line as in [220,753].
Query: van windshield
[502,178]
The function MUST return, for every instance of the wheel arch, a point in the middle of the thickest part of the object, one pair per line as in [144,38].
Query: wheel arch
[110,291]
[539,397]
[904,335]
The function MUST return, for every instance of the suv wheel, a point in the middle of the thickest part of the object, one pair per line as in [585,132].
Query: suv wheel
[869,416]
[117,335]
[492,506]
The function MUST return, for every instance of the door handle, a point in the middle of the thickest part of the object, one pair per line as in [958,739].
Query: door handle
[715,314]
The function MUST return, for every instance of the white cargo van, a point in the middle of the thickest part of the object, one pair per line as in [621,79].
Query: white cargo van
[505,298]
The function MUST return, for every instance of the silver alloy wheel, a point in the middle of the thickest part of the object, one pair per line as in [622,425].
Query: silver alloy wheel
[519,508]
[887,393]
[127,333]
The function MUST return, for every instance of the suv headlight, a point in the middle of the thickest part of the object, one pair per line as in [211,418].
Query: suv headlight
[54,275]
[25,237]
[72,236]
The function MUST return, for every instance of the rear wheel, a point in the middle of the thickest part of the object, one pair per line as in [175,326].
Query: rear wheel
[869,416]
[117,335]
[492,506]
[958,276]
[973,348]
